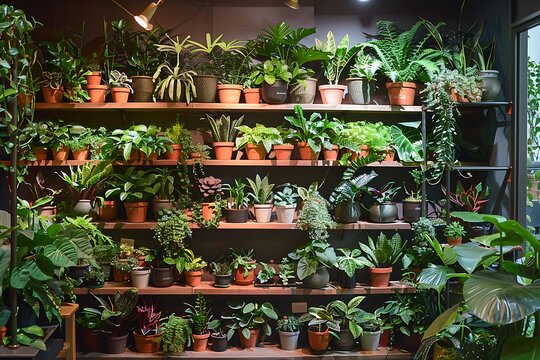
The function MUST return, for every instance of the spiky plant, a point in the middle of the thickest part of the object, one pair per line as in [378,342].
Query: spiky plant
[86,180]
[261,189]
[385,252]
[224,129]
[199,317]
[148,319]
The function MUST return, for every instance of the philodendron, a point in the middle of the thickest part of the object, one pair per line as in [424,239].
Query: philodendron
[261,193]
[312,262]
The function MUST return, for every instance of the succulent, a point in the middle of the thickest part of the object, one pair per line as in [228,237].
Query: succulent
[221,268]
[148,319]
[210,187]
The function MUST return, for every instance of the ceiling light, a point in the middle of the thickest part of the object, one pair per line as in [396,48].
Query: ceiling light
[293,4]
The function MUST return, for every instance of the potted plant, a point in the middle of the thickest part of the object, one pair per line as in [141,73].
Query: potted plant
[454,233]
[332,133]
[244,265]
[104,255]
[170,232]
[121,268]
[286,276]
[42,196]
[412,203]
[117,315]
[284,150]
[361,80]
[371,331]
[80,139]
[472,199]
[152,144]
[261,194]
[181,141]
[133,188]
[222,274]
[210,188]
[314,216]
[340,55]
[346,195]
[85,183]
[218,340]
[356,138]
[247,320]
[178,84]
[484,58]
[95,75]
[51,87]
[382,143]
[224,132]
[266,273]
[252,94]
[140,277]
[321,324]
[257,140]
[274,75]
[120,86]
[163,189]
[404,56]
[285,202]
[310,133]
[348,263]
[148,334]
[59,136]
[94,278]
[237,202]
[350,318]
[176,334]
[93,339]
[380,256]
[201,322]
[193,268]
[384,210]
[313,261]
[289,330]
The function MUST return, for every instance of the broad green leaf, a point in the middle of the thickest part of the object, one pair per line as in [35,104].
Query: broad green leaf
[442,322]
[434,277]
[470,255]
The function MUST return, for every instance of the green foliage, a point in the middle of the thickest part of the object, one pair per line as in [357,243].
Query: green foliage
[365,66]
[405,55]
[32,336]
[407,141]
[176,334]
[119,79]
[288,323]
[533,110]
[311,256]
[261,189]
[191,262]
[321,318]
[349,261]
[132,186]
[471,199]
[179,134]
[163,187]
[315,131]
[375,135]
[88,180]
[454,230]
[271,71]
[224,129]
[241,258]
[199,317]
[247,316]
[349,189]
[238,199]
[315,217]
[382,253]
[222,268]
[288,196]
[171,230]
[350,315]
[339,55]
[260,134]
[385,194]
[266,273]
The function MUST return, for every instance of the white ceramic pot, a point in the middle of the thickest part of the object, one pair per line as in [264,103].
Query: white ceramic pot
[140,277]
[263,212]
[285,213]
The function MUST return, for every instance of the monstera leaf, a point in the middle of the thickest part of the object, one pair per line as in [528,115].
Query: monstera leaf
[498,298]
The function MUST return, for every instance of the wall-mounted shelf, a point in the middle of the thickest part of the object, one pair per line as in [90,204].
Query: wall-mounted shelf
[207,288]
[209,107]
[251,225]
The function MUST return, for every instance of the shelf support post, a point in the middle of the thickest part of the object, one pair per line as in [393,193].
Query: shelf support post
[424,163]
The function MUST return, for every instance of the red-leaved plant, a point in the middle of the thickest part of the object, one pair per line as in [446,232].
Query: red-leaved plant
[471,199]
[148,319]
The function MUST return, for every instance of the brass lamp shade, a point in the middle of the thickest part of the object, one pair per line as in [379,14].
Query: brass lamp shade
[293,4]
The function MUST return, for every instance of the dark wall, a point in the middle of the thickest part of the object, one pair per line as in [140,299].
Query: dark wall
[523,8]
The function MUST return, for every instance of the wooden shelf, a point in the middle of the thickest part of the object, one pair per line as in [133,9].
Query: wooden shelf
[276,163]
[267,351]
[252,225]
[208,107]
[207,288]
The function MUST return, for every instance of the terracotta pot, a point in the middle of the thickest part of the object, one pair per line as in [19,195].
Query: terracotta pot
[120,94]
[143,88]
[3,332]
[25,99]
[147,343]
[60,154]
[93,341]
[40,152]
[332,94]
[384,341]
[306,152]
[252,341]
[119,276]
[94,78]
[229,93]
[200,342]
[136,211]
[453,241]
[252,96]
[318,341]
[380,277]
[47,211]
[207,211]
[97,93]
[283,152]
[223,150]
[153,156]
[331,155]
[109,211]
[158,205]
[52,96]
[175,153]
[80,154]
[389,154]
[401,93]
[364,151]
[193,278]
[255,152]
[239,278]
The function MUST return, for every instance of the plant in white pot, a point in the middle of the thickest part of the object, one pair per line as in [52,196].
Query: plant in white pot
[285,202]
[361,80]
[261,194]
[289,330]
[380,256]
[339,56]
[371,331]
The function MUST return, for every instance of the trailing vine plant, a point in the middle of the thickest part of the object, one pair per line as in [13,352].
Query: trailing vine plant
[198,218]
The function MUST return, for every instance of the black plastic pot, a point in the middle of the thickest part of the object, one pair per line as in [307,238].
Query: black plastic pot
[346,281]
[116,344]
[222,281]
[236,215]
[345,341]
[162,277]
[79,272]
[276,93]
[318,280]
[219,343]
[347,212]
[412,210]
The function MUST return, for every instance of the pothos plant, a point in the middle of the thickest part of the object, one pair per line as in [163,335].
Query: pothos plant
[311,256]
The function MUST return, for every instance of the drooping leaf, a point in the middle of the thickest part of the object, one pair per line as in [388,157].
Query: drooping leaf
[442,322]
